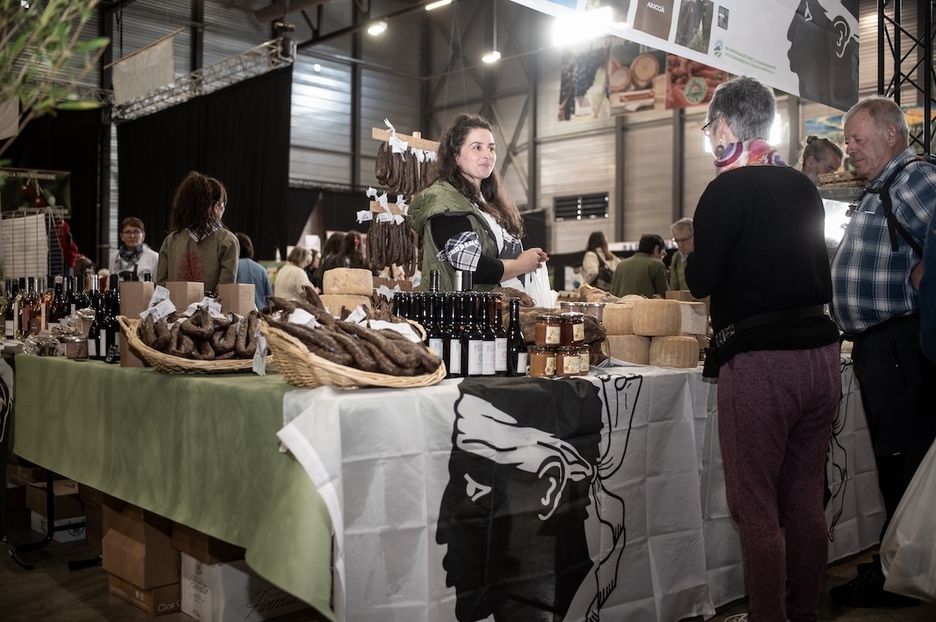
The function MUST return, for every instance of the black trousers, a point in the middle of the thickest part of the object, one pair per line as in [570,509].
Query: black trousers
[895,378]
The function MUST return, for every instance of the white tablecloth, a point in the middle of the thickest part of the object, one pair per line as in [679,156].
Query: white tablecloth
[659,538]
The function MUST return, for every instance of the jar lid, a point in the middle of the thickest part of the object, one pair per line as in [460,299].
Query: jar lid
[572,315]
[549,317]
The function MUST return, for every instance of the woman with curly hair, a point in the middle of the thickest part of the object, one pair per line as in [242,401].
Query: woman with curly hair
[465,219]
[198,246]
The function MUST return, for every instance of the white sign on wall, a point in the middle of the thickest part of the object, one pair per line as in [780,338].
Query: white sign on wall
[807,48]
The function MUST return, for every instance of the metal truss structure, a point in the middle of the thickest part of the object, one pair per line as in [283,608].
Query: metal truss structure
[273,54]
[913,63]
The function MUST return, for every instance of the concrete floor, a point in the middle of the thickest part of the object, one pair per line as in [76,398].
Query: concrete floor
[53,593]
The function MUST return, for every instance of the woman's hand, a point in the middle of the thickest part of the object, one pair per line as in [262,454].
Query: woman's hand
[527,261]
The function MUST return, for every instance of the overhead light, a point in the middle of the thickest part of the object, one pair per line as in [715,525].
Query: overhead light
[582,27]
[377,28]
[435,5]
[491,57]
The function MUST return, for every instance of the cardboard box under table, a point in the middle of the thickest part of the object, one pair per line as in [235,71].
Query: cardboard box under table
[137,547]
[156,601]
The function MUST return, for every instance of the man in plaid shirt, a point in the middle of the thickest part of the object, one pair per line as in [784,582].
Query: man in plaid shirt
[875,276]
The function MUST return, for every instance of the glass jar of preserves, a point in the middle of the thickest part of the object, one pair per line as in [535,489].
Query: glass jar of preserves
[568,362]
[585,355]
[595,309]
[571,329]
[547,331]
[542,362]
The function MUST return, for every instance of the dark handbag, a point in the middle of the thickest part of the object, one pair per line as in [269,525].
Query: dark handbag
[605,274]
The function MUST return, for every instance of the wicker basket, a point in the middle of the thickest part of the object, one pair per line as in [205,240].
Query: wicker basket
[302,368]
[176,364]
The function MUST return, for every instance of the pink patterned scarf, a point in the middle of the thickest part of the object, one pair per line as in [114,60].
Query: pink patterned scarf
[755,153]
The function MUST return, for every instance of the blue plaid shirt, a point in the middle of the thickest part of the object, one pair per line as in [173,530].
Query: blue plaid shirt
[871,282]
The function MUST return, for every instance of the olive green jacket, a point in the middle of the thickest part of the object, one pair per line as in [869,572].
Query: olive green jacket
[440,200]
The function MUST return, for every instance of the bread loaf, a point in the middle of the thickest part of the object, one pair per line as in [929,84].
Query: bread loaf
[674,351]
[655,317]
[348,281]
[630,348]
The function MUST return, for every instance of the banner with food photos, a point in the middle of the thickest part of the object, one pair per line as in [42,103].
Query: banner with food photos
[807,48]
[611,76]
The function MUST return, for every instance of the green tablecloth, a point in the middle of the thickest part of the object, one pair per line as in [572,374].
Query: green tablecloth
[199,449]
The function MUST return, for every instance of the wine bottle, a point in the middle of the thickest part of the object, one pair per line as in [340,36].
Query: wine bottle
[500,335]
[79,298]
[452,353]
[472,339]
[57,303]
[10,315]
[432,323]
[110,326]
[516,345]
[31,307]
[489,347]
[95,342]
[433,281]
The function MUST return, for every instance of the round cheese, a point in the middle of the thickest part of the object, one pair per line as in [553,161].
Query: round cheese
[674,351]
[618,318]
[348,281]
[630,348]
[693,318]
[334,302]
[654,317]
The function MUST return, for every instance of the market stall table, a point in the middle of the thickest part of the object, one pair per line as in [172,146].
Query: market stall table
[198,449]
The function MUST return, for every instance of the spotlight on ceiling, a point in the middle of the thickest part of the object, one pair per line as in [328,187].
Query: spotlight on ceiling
[280,8]
[377,28]
[491,57]
[436,5]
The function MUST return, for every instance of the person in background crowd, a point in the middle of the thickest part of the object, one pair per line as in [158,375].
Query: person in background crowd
[313,267]
[249,271]
[928,295]
[198,246]
[760,254]
[67,245]
[465,219]
[683,237]
[643,272]
[134,258]
[350,254]
[83,267]
[598,263]
[874,272]
[820,156]
[330,250]
[291,277]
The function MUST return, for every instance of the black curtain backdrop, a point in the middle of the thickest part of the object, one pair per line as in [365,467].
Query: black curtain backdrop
[67,141]
[239,134]
[301,203]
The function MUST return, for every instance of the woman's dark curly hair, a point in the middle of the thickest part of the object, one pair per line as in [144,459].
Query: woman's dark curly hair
[495,200]
[193,204]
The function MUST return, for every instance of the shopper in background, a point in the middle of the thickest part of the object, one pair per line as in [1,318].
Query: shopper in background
[685,242]
[760,254]
[874,272]
[292,277]
[820,156]
[598,263]
[67,245]
[313,267]
[198,246]
[643,272]
[134,258]
[928,295]
[330,250]
[465,219]
[249,271]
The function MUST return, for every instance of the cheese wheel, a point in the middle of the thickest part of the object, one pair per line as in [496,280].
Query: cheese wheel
[674,351]
[348,281]
[630,348]
[693,318]
[334,302]
[618,318]
[655,317]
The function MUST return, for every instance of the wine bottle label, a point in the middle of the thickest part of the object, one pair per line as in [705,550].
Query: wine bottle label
[489,358]
[92,349]
[475,357]
[9,328]
[454,362]
[436,345]
[522,363]
[500,354]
